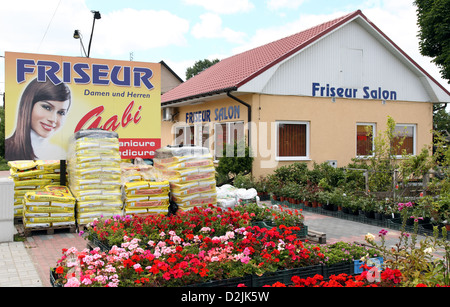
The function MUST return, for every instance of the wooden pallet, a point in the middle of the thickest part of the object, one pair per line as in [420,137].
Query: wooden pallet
[316,236]
[29,231]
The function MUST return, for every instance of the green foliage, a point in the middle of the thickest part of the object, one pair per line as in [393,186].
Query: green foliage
[199,66]
[441,120]
[433,18]
[239,162]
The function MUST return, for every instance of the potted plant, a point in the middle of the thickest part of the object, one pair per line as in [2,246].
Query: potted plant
[368,206]
[261,185]
[337,199]
[353,205]
[379,210]
[324,198]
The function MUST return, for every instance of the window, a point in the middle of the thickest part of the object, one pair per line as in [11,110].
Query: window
[227,133]
[292,141]
[184,135]
[364,139]
[192,135]
[405,139]
[204,135]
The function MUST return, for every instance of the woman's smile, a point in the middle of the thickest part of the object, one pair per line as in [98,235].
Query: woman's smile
[48,127]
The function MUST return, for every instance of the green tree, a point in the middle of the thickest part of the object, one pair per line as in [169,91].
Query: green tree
[441,121]
[199,66]
[434,32]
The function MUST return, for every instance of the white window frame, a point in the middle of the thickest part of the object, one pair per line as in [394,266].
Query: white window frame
[414,126]
[308,141]
[374,131]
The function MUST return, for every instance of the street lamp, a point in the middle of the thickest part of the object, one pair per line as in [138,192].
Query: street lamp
[77,34]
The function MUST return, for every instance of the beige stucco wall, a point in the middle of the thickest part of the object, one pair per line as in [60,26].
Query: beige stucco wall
[332,124]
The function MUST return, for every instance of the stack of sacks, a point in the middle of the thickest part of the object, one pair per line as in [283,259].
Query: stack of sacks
[146,197]
[94,174]
[54,207]
[31,176]
[136,171]
[191,173]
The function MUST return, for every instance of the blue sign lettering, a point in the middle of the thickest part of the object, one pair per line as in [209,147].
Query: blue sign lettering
[225,113]
[198,117]
[99,74]
[232,112]
[330,91]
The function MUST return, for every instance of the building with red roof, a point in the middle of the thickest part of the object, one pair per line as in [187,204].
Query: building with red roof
[320,95]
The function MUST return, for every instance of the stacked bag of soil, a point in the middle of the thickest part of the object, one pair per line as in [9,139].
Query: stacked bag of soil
[53,207]
[32,176]
[146,197]
[191,174]
[94,174]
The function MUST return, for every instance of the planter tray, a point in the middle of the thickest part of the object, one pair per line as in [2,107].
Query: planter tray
[53,279]
[338,268]
[284,276]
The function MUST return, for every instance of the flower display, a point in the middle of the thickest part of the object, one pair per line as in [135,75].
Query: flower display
[201,245]
[210,244]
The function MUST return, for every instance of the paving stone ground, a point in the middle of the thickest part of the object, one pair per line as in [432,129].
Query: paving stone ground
[28,263]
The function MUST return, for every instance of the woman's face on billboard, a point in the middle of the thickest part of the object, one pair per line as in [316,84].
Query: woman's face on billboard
[48,116]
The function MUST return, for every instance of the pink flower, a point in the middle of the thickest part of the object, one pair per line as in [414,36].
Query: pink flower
[245,259]
[382,232]
[72,282]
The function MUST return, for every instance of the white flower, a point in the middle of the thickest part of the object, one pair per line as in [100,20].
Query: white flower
[369,237]
[429,250]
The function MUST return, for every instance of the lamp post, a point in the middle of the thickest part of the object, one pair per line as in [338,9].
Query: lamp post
[77,34]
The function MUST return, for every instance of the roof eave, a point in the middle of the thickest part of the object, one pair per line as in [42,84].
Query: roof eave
[198,96]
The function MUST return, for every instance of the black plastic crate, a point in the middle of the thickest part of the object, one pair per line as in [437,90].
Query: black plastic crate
[338,268]
[285,276]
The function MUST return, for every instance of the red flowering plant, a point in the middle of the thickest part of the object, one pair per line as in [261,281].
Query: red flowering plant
[189,255]
[112,230]
[388,278]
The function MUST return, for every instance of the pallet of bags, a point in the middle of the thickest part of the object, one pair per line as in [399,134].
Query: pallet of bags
[53,208]
[191,173]
[31,176]
[94,174]
[136,171]
[146,197]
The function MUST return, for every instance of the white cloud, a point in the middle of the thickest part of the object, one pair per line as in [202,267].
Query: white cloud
[128,30]
[223,6]
[118,32]
[211,27]
[41,26]
[267,35]
[284,4]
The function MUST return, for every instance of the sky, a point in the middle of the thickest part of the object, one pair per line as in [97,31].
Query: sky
[181,32]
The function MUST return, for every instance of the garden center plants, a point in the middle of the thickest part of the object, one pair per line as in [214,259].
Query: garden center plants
[182,250]
[416,260]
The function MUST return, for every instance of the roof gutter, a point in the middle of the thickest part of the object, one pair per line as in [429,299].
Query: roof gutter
[249,115]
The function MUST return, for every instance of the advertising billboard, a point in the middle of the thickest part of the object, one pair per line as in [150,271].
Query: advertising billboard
[48,98]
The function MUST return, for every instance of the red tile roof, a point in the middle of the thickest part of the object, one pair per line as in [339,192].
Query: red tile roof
[231,73]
